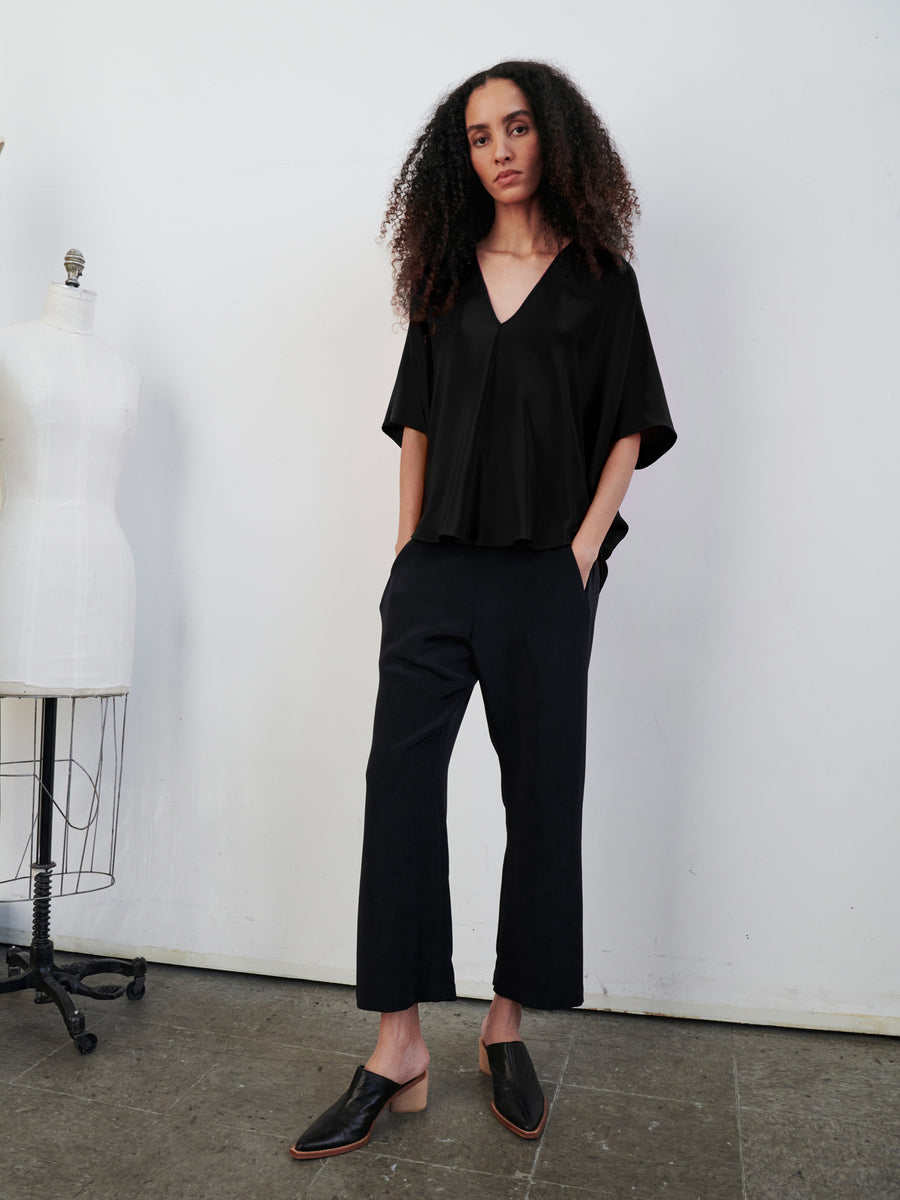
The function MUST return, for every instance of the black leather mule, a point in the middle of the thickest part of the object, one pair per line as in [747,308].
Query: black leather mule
[518,1103]
[347,1124]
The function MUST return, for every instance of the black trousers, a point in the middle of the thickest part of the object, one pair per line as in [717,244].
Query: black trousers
[520,622]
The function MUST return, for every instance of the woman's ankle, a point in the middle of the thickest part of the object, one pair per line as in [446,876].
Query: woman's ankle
[502,1021]
[401,1053]
[398,1064]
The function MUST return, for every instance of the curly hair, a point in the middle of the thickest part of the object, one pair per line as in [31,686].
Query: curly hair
[438,208]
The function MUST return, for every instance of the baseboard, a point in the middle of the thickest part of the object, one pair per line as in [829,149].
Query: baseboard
[888,1026]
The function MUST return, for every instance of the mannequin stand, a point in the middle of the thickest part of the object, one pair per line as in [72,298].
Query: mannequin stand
[36,967]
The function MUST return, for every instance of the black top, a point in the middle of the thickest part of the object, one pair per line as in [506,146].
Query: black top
[521,414]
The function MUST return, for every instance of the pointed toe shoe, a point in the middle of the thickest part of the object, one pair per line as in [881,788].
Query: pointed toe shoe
[519,1103]
[347,1124]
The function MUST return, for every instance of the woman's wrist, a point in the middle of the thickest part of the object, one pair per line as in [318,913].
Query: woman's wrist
[585,548]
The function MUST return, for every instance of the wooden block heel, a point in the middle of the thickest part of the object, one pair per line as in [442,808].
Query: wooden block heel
[413,1098]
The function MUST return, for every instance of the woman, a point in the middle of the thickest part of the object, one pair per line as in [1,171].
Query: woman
[526,396]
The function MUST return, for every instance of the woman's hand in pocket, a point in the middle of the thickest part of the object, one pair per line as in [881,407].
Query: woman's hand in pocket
[585,557]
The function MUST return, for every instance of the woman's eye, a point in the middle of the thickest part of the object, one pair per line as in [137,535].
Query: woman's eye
[519,129]
[480,140]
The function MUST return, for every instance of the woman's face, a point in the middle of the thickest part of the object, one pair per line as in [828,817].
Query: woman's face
[503,141]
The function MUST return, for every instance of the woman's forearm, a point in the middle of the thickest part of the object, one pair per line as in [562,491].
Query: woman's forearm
[413,453]
[614,480]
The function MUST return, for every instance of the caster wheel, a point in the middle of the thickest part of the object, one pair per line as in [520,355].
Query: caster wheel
[135,989]
[86,1043]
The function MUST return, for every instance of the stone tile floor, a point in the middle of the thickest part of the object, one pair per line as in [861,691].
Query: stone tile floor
[198,1089]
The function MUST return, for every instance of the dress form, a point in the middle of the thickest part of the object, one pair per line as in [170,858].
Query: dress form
[67,404]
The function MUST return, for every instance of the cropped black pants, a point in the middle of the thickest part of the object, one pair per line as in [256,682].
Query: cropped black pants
[520,622]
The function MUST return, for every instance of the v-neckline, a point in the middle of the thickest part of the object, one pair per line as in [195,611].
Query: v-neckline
[528,295]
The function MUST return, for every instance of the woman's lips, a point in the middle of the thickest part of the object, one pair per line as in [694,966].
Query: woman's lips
[507,176]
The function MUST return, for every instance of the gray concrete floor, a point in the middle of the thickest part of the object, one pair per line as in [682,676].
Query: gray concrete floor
[198,1090]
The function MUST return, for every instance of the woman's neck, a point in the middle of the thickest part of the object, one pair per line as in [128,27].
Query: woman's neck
[518,230]
[69,308]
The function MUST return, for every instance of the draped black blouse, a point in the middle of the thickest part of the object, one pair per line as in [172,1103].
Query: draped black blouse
[521,414]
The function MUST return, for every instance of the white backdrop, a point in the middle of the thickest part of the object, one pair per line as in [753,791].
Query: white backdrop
[224,167]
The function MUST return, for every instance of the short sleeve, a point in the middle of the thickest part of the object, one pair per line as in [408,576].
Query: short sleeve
[410,401]
[643,408]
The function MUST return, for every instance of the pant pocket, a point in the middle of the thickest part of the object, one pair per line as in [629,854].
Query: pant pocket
[584,588]
[402,551]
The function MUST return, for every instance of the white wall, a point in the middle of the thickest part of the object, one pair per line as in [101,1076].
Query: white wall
[224,167]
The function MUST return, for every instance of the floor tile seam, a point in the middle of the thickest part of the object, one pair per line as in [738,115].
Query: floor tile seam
[569,1187]
[63,1045]
[212,1067]
[88,1182]
[32,1066]
[277,1006]
[225,1122]
[518,1177]
[150,1022]
[359,1058]
[864,1121]
[312,1181]
[249,1036]
[432,1069]
[87,1189]
[737,1111]
[539,1147]
[81,1099]
[583,1087]
[275,1043]
[248,1030]
[546,1077]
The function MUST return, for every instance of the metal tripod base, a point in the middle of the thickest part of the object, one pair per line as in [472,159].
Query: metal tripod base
[35,967]
[56,984]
